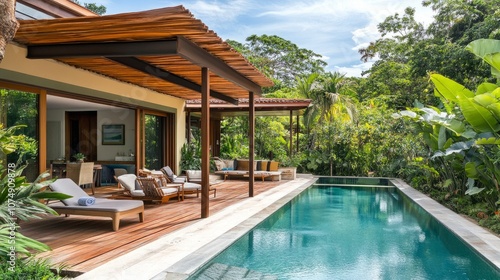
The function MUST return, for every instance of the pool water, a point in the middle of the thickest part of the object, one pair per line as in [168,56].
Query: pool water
[349,233]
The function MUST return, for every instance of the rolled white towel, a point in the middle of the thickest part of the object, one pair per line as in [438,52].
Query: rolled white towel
[86,201]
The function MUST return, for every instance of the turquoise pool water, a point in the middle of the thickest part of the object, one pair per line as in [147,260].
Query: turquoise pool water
[349,233]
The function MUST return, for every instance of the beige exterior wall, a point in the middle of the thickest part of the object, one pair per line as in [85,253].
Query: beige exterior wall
[54,75]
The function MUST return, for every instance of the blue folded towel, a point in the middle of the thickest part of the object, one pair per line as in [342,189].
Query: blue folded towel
[86,201]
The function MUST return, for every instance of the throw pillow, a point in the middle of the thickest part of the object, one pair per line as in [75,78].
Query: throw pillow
[273,166]
[229,164]
[219,164]
[263,165]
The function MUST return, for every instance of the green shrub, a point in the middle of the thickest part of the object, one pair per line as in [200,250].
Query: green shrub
[29,269]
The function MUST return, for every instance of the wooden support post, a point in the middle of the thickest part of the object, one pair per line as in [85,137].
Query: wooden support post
[42,124]
[205,141]
[291,135]
[297,133]
[188,119]
[139,141]
[251,144]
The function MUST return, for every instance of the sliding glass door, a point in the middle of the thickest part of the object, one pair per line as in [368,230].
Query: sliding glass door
[19,107]
[154,141]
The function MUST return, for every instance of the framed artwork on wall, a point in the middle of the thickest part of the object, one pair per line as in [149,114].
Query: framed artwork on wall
[113,134]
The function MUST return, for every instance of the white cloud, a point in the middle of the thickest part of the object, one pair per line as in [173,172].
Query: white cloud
[219,13]
[353,70]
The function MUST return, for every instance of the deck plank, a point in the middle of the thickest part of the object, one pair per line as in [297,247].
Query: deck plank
[83,243]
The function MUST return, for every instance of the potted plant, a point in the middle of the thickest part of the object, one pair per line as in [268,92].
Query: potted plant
[79,157]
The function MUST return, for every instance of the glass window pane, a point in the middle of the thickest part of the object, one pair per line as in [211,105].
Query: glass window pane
[155,139]
[21,108]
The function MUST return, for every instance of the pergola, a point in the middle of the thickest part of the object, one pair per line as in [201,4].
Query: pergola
[166,50]
[263,107]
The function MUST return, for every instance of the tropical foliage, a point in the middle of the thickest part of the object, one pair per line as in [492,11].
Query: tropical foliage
[19,199]
[190,156]
[467,133]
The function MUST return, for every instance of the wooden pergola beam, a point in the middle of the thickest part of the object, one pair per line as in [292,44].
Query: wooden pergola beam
[106,49]
[126,53]
[201,57]
[150,69]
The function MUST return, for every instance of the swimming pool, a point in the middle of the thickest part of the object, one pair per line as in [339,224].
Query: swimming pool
[350,233]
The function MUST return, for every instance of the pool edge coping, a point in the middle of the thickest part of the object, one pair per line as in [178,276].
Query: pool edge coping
[485,243]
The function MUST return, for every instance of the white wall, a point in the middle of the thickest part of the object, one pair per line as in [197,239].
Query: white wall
[56,139]
[116,116]
[55,134]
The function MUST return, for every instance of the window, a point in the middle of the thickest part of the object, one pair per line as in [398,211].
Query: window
[155,141]
[21,108]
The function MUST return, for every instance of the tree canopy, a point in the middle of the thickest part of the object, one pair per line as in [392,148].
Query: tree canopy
[280,59]
[440,48]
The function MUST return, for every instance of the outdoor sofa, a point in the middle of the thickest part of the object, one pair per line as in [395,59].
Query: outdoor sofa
[102,207]
[238,168]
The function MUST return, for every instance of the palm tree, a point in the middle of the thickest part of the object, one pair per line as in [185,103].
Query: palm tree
[329,101]
[330,104]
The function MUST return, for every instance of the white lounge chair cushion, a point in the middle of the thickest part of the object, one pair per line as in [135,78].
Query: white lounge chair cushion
[168,191]
[102,204]
[192,186]
[67,186]
[129,182]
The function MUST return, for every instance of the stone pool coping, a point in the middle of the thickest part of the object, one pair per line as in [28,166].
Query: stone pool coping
[483,241]
[180,253]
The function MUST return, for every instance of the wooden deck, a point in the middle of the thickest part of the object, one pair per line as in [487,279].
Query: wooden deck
[83,243]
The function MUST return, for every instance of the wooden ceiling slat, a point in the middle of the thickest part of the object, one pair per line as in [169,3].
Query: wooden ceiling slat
[160,24]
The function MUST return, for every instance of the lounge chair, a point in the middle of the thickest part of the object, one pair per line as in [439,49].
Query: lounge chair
[148,188]
[194,177]
[171,176]
[102,207]
[186,187]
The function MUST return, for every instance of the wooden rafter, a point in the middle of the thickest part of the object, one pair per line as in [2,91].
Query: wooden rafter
[170,39]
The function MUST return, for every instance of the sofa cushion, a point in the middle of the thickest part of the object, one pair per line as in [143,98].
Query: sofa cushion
[263,165]
[273,166]
[219,164]
[170,175]
[102,204]
[258,165]
[243,164]
[228,164]
[193,175]
[167,171]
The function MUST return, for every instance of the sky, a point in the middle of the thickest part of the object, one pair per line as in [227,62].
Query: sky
[334,29]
